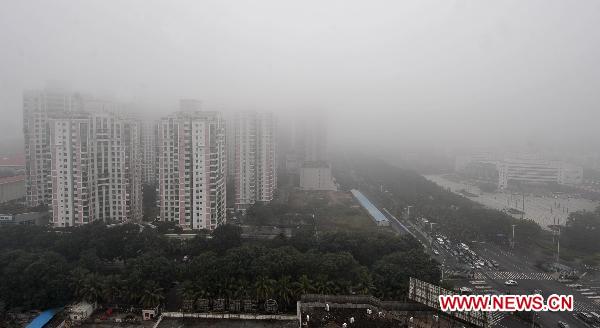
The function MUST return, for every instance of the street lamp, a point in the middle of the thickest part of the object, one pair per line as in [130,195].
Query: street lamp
[558,243]
[513,236]
[431,234]
[442,271]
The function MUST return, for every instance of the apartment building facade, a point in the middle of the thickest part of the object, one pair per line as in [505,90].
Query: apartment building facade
[149,135]
[191,151]
[83,159]
[252,151]
[39,106]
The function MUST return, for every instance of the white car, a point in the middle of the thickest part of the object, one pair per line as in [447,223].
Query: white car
[511,283]
[436,252]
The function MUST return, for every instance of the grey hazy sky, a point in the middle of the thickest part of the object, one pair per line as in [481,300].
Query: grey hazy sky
[420,72]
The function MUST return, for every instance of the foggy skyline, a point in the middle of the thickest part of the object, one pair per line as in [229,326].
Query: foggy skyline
[394,74]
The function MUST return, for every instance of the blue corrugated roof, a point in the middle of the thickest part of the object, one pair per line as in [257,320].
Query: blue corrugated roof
[373,211]
[43,318]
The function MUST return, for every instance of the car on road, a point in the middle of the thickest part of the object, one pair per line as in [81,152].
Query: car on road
[588,318]
[562,324]
[511,283]
[436,252]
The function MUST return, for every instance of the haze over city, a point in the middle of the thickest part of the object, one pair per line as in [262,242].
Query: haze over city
[279,164]
[403,74]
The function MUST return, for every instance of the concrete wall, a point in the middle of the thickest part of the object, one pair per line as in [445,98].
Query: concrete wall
[12,190]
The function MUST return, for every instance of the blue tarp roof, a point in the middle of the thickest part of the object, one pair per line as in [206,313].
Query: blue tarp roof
[373,211]
[43,318]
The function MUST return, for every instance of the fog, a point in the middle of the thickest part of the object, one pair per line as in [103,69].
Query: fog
[388,75]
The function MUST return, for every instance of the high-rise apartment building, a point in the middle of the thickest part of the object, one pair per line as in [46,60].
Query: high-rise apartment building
[310,138]
[252,151]
[88,156]
[149,151]
[310,159]
[38,107]
[192,169]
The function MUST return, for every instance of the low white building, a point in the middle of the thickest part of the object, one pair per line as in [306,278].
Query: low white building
[81,311]
[535,171]
[316,176]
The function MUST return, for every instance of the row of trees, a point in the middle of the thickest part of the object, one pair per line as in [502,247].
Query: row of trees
[457,215]
[582,231]
[42,268]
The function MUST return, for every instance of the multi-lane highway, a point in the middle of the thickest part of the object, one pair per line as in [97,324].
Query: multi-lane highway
[531,280]
[484,268]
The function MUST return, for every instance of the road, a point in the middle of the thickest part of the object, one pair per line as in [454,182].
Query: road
[511,265]
[516,267]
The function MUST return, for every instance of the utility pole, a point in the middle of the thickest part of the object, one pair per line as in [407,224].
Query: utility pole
[558,247]
[431,234]
[442,271]
[513,236]
[558,243]
[553,227]
[523,211]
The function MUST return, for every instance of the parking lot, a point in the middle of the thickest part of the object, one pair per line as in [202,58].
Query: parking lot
[545,210]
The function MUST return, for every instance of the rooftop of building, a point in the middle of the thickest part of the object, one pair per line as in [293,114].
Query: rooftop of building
[12,160]
[43,318]
[81,307]
[366,203]
[13,179]
[229,323]
[315,164]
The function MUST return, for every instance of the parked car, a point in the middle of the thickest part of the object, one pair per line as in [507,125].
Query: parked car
[511,283]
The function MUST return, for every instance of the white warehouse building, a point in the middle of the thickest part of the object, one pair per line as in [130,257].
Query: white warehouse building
[537,172]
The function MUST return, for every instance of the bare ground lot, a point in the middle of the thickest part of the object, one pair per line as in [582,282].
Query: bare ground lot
[542,209]
[333,209]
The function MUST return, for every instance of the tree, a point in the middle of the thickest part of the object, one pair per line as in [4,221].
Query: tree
[152,295]
[284,289]
[78,281]
[582,231]
[112,288]
[303,286]
[226,237]
[392,272]
[152,267]
[92,288]
[263,288]
[237,289]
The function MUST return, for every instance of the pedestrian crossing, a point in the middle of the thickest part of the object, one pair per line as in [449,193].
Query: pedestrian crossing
[585,307]
[496,317]
[590,297]
[511,275]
